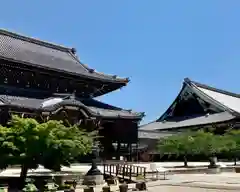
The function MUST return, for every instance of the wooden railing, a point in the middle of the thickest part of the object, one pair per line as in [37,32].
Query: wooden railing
[125,171]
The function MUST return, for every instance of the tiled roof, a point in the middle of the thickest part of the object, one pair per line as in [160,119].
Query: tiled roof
[144,134]
[53,103]
[190,121]
[227,102]
[30,51]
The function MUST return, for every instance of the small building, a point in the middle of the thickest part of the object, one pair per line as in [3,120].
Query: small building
[47,81]
[197,106]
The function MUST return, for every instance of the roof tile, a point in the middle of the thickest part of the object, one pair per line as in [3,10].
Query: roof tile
[196,121]
[43,54]
[95,109]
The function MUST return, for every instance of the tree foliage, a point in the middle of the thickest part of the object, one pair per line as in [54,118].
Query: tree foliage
[199,142]
[29,143]
[210,144]
[180,144]
[234,135]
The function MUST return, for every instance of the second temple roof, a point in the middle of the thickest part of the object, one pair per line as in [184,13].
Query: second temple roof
[196,105]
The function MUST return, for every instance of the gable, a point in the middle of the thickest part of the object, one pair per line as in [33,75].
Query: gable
[230,101]
[189,104]
[197,105]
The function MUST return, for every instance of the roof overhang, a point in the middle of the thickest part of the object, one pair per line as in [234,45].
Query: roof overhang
[199,121]
[31,52]
[54,104]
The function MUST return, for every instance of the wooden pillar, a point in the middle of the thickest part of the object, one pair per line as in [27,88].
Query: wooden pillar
[137,155]
[130,150]
[118,150]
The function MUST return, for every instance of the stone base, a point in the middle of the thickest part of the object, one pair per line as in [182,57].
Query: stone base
[141,186]
[237,169]
[214,170]
[123,187]
[93,180]
[90,189]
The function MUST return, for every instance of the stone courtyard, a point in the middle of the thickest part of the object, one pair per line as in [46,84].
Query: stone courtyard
[194,182]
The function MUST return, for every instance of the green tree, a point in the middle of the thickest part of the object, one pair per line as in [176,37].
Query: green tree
[211,144]
[179,145]
[234,135]
[199,142]
[29,143]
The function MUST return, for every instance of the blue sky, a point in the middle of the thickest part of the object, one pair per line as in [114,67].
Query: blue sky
[156,43]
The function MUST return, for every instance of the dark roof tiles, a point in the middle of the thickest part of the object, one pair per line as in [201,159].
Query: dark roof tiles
[30,51]
[153,134]
[187,122]
[228,102]
[97,109]
[113,113]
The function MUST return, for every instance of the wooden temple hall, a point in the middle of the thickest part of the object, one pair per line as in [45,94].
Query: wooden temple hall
[197,106]
[47,81]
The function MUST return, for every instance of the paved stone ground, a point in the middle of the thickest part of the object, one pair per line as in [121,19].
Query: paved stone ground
[181,189]
[198,182]
[186,189]
[176,182]
[83,168]
[192,183]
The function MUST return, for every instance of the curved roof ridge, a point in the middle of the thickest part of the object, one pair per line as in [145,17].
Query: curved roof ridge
[85,66]
[194,84]
[35,41]
[112,107]
[211,88]
[182,89]
[142,126]
[219,102]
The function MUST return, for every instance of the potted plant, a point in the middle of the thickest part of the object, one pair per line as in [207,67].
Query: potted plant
[88,189]
[111,180]
[51,186]
[64,187]
[72,183]
[71,189]
[106,188]
[141,184]
[123,187]
[70,186]
[29,186]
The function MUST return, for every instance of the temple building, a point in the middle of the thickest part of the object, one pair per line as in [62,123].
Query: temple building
[46,81]
[197,106]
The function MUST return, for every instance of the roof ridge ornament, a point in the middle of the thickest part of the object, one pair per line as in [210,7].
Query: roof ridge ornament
[72,96]
[91,70]
[74,51]
[187,80]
